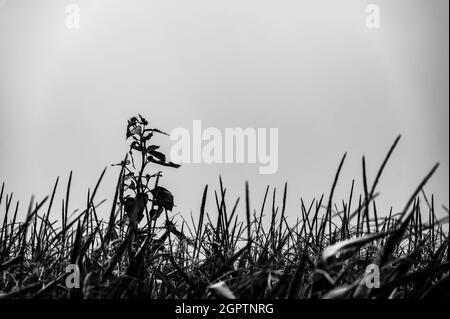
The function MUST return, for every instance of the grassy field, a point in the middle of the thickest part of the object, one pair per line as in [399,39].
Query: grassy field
[334,249]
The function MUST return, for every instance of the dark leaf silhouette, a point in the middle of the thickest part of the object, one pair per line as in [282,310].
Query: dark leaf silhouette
[143,120]
[158,155]
[156,131]
[152,147]
[162,197]
[134,207]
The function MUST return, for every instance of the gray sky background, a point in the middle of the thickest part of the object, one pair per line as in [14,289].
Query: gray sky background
[310,68]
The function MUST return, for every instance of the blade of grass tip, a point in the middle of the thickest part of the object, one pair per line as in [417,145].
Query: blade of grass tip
[307,212]
[4,230]
[1,192]
[3,233]
[283,240]
[77,244]
[13,223]
[420,224]
[114,203]
[233,212]
[233,229]
[426,199]
[339,213]
[8,203]
[219,220]
[274,214]
[63,228]
[330,199]
[375,216]
[387,224]
[238,234]
[417,191]
[88,210]
[262,211]
[169,225]
[273,234]
[413,213]
[433,219]
[288,233]
[33,234]
[194,225]
[305,218]
[417,227]
[365,214]
[430,223]
[349,208]
[97,185]
[383,165]
[43,228]
[359,217]
[390,219]
[224,208]
[313,229]
[91,219]
[316,223]
[26,224]
[322,234]
[247,211]
[282,212]
[66,208]
[344,223]
[102,241]
[152,226]
[200,221]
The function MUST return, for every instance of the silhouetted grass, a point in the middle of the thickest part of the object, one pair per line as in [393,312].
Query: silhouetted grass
[324,254]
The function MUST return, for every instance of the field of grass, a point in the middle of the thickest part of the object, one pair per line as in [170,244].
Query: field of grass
[143,251]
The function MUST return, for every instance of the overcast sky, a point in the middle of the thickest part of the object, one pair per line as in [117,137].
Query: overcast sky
[310,68]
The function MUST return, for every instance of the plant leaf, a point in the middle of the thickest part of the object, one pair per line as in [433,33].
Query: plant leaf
[162,197]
